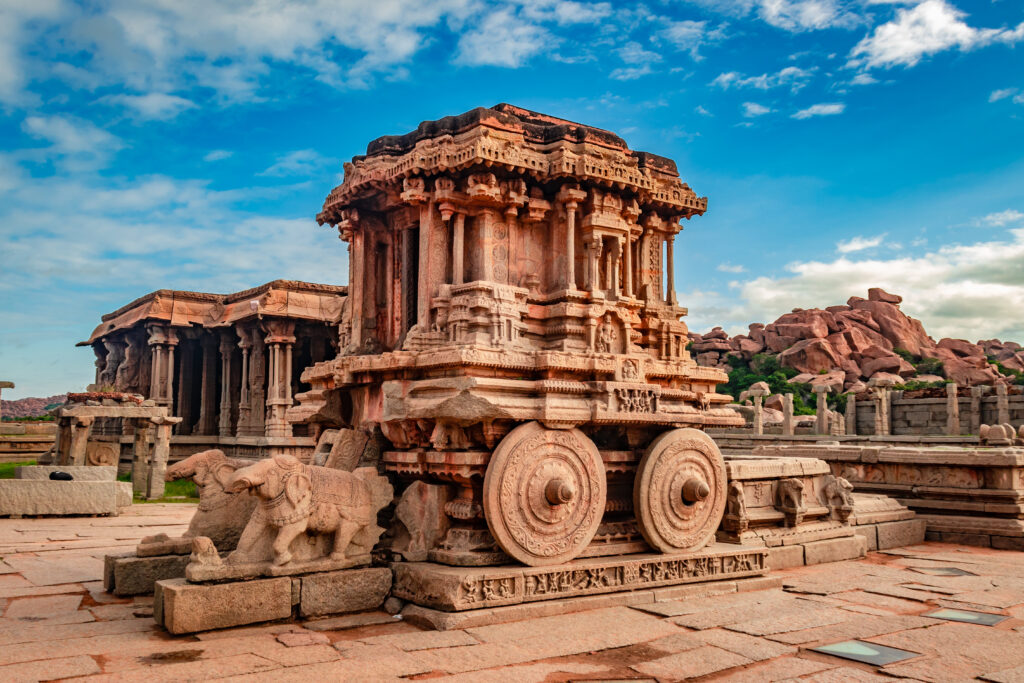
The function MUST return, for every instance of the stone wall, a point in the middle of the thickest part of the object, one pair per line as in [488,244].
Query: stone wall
[929,416]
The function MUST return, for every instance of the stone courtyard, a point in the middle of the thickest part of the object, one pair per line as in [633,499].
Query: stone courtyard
[58,623]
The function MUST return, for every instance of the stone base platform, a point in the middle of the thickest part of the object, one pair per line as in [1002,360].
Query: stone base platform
[456,589]
[31,497]
[971,496]
[445,621]
[127,574]
[182,607]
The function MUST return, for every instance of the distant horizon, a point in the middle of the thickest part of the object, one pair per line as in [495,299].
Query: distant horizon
[843,144]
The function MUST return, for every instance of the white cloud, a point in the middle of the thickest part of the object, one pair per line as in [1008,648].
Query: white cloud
[793,77]
[75,144]
[997,95]
[629,73]
[154,47]
[702,111]
[217,155]
[859,243]
[752,109]
[689,35]
[925,29]
[634,53]
[804,15]
[502,39]
[1019,99]
[17,20]
[824,109]
[863,79]
[152,106]
[792,15]
[730,268]
[301,162]
[1001,219]
[973,291]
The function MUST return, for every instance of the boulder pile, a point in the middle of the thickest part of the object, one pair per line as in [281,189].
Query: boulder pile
[845,346]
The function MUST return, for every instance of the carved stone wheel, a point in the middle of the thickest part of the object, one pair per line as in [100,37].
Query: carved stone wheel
[680,491]
[544,494]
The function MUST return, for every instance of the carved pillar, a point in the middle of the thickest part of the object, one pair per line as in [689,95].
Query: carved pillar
[976,393]
[670,271]
[162,341]
[787,415]
[161,453]
[851,415]
[280,339]
[880,395]
[628,279]
[186,376]
[140,456]
[458,249]
[593,259]
[758,415]
[80,439]
[423,300]
[227,348]
[615,258]
[821,408]
[244,406]
[115,357]
[257,380]
[357,258]
[952,410]
[208,391]
[570,244]
[1002,405]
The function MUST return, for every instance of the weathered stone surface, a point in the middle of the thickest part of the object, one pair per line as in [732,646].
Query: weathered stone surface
[784,557]
[691,664]
[181,607]
[127,574]
[349,590]
[834,550]
[78,472]
[44,497]
[457,588]
[900,534]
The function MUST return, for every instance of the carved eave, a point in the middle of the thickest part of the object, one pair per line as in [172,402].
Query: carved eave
[510,138]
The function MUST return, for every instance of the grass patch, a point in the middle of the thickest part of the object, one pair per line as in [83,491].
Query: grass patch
[7,468]
[177,491]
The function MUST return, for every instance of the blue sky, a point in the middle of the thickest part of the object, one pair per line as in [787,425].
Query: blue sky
[189,144]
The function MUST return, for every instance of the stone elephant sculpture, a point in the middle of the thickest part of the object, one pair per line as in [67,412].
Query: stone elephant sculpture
[294,499]
[221,515]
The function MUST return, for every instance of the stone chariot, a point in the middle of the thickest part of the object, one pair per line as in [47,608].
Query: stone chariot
[512,338]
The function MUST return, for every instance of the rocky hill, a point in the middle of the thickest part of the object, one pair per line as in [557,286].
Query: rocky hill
[31,407]
[845,346]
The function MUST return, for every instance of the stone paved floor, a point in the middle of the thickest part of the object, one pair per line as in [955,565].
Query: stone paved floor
[57,623]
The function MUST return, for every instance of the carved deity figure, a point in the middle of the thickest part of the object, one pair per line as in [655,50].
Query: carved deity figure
[607,335]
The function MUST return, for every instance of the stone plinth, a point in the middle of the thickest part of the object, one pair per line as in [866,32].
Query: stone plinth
[78,472]
[183,607]
[467,588]
[973,496]
[45,497]
[779,501]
